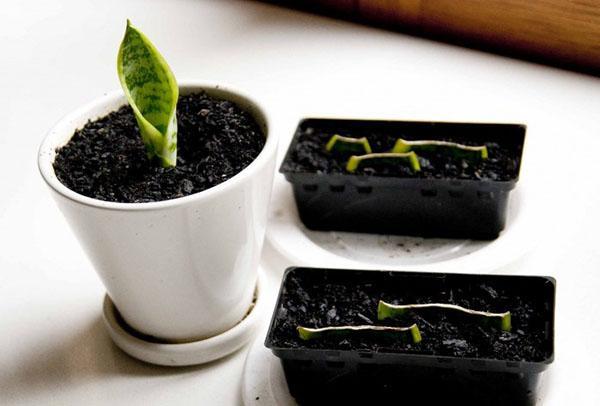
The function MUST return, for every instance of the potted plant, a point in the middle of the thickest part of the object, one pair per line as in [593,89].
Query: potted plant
[348,335]
[166,187]
[428,179]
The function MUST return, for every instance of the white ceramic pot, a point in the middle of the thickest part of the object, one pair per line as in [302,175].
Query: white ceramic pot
[181,269]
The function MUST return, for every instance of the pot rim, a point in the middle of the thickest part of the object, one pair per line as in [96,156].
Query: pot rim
[56,137]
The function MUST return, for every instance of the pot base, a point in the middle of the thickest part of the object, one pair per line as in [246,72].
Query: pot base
[154,351]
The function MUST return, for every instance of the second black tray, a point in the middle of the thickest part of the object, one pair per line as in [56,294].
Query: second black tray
[451,208]
[334,372]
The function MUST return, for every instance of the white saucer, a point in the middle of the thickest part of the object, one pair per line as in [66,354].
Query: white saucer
[184,354]
[297,245]
[263,382]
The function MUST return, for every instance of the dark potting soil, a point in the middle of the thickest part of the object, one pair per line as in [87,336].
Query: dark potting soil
[309,155]
[107,160]
[320,301]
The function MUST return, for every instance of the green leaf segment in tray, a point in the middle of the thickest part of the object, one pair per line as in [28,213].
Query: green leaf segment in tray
[152,92]
[348,144]
[403,153]
[409,158]
[409,334]
[457,150]
[501,321]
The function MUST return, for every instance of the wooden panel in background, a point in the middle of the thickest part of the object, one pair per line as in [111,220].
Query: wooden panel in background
[562,32]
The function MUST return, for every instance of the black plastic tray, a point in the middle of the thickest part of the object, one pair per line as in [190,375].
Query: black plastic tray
[329,375]
[451,208]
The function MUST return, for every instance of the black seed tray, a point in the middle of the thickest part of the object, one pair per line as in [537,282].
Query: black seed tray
[330,373]
[427,207]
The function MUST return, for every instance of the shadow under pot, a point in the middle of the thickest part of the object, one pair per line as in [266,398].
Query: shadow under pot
[429,179]
[374,336]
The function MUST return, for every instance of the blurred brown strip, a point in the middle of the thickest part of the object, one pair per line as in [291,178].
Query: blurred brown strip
[561,32]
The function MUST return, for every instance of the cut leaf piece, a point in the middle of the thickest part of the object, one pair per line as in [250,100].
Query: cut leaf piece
[410,334]
[457,150]
[338,143]
[152,92]
[409,158]
[501,321]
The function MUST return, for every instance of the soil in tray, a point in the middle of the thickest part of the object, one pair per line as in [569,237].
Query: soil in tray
[318,301]
[107,160]
[309,155]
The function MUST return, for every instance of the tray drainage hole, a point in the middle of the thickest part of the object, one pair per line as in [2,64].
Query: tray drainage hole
[335,364]
[428,192]
[456,193]
[485,195]
[365,355]
[478,363]
[336,188]
[364,189]
[512,364]
[444,360]
[310,188]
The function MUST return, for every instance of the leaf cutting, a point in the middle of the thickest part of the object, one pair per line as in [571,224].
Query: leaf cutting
[409,159]
[457,150]
[152,92]
[338,143]
[501,321]
[410,334]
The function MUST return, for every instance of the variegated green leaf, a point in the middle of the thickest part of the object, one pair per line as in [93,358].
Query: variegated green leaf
[152,92]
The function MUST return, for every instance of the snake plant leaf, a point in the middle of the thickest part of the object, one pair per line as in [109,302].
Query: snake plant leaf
[152,92]
[457,150]
[498,320]
[410,334]
[408,158]
[338,143]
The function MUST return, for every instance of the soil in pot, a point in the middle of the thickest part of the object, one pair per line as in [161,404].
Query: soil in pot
[308,155]
[314,299]
[107,160]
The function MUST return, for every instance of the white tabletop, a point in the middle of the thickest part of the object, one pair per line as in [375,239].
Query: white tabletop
[56,55]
